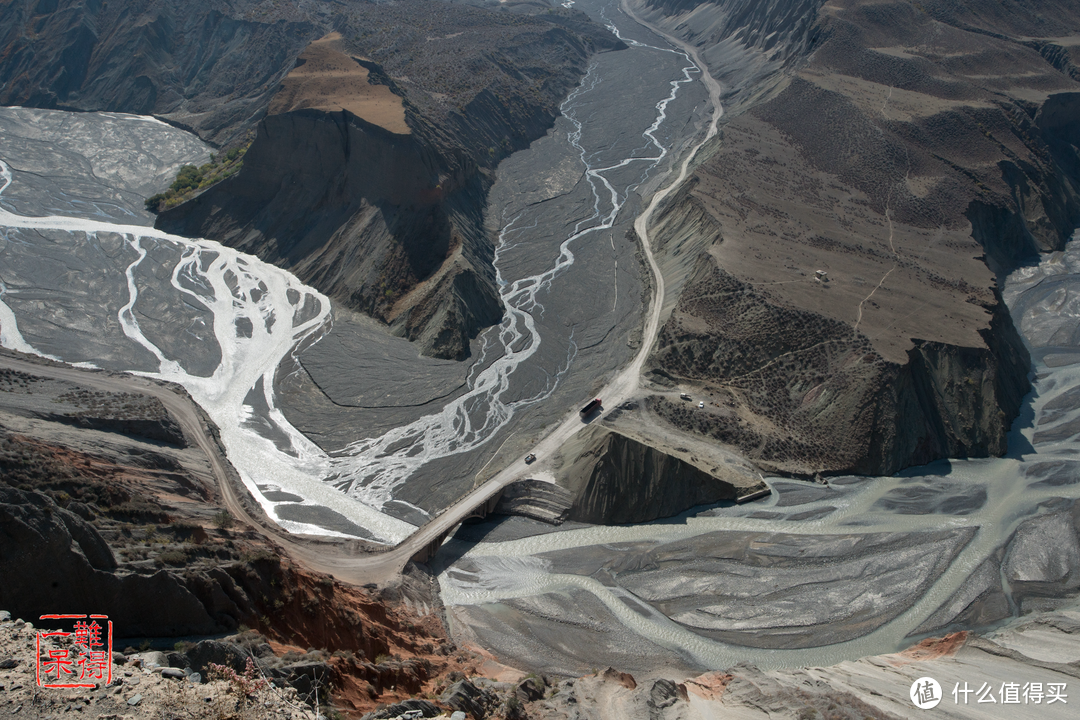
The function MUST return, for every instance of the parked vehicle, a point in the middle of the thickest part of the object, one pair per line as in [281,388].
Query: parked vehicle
[701,403]
[685,396]
[590,408]
[530,458]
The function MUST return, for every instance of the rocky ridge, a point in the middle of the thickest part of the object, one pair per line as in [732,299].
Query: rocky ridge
[474,84]
[835,256]
[614,479]
[388,219]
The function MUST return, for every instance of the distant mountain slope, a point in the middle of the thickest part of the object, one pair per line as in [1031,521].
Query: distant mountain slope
[210,65]
[911,152]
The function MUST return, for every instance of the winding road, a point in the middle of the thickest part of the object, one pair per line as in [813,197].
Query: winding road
[386,567]
[340,559]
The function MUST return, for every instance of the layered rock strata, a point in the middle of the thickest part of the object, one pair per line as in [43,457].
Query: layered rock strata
[379,221]
[394,116]
[616,479]
[381,205]
[803,393]
[210,66]
[535,499]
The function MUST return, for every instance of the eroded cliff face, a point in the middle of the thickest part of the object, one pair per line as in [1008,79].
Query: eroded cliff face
[208,65]
[382,207]
[843,242]
[380,222]
[747,45]
[614,479]
[390,226]
[800,393]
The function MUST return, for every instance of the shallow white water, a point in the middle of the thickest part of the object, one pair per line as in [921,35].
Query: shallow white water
[373,468]
[233,286]
[359,481]
[1045,303]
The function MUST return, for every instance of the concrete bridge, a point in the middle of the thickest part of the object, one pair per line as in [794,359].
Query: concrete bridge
[483,507]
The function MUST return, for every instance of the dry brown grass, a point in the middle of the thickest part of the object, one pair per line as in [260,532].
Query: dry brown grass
[328,79]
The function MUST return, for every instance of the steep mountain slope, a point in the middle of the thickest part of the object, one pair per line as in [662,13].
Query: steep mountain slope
[386,214]
[881,164]
[208,65]
[377,127]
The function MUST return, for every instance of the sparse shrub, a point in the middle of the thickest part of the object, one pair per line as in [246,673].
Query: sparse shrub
[244,684]
[173,557]
[190,179]
[260,555]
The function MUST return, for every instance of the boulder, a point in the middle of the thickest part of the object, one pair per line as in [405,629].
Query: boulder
[427,709]
[624,679]
[304,676]
[530,689]
[217,652]
[663,694]
[178,660]
[468,698]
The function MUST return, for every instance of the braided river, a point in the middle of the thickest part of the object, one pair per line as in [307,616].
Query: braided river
[813,575]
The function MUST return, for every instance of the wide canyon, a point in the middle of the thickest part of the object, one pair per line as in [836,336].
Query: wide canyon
[327,283]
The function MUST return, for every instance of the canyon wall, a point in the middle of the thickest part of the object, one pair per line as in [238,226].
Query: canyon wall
[387,217]
[366,216]
[207,65]
[798,392]
[837,252]
[615,479]
[383,214]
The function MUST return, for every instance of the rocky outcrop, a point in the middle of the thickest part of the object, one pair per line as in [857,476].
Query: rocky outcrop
[614,479]
[1043,558]
[211,66]
[471,85]
[747,45]
[798,392]
[381,222]
[391,223]
[51,557]
[535,499]
[427,709]
[165,430]
[133,414]
[466,697]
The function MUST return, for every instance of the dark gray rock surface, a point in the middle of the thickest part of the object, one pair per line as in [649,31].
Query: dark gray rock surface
[427,709]
[468,698]
[219,653]
[613,479]
[535,499]
[52,554]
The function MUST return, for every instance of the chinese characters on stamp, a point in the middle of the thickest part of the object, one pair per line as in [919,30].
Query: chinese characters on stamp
[77,659]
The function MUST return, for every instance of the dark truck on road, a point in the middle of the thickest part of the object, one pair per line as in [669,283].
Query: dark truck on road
[589,409]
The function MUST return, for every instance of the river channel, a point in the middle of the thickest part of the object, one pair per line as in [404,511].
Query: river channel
[814,575]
